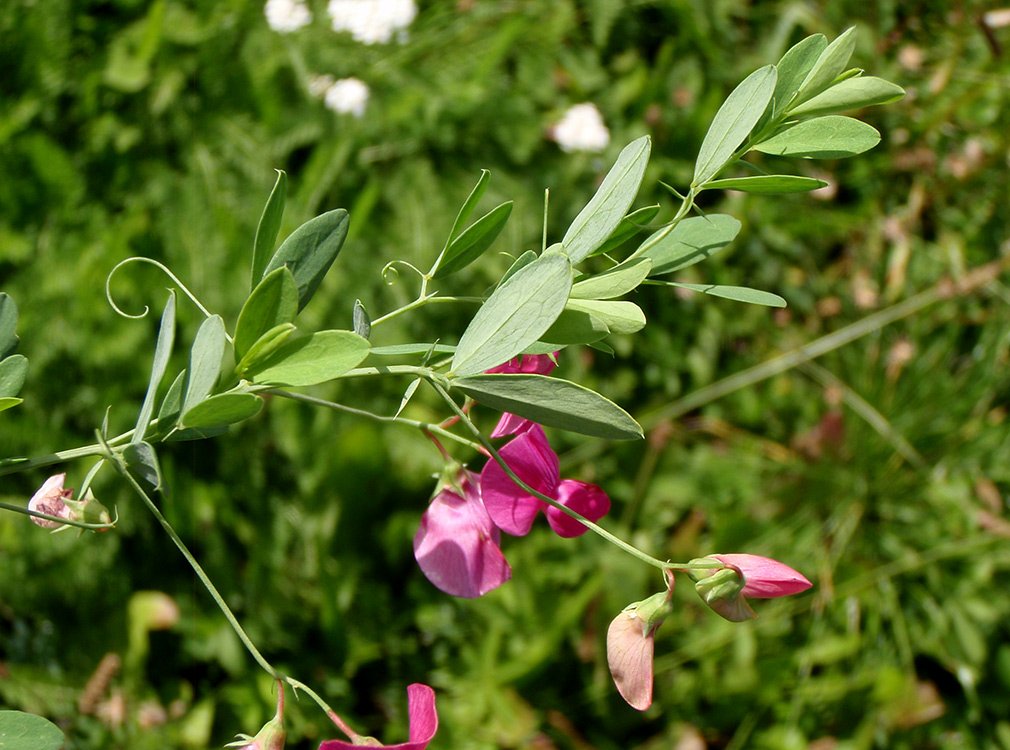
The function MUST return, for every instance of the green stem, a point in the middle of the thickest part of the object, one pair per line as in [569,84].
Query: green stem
[57,519]
[198,569]
[423,426]
[334,717]
[422,300]
[489,447]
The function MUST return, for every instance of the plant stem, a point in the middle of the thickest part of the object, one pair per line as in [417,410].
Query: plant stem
[57,519]
[599,530]
[334,717]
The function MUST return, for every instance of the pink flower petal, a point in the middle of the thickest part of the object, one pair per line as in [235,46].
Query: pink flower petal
[531,458]
[530,364]
[49,499]
[629,656]
[456,545]
[765,578]
[423,722]
[585,499]
[511,424]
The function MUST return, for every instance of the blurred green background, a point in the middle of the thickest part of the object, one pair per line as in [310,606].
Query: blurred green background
[130,127]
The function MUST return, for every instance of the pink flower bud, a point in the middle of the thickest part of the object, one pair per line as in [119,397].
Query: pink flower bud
[50,500]
[726,589]
[765,578]
[630,647]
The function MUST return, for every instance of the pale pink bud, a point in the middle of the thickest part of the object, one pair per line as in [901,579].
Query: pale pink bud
[50,500]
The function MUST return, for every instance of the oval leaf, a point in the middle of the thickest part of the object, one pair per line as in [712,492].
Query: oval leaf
[310,251]
[322,356]
[515,315]
[274,301]
[691,241]
[13,372]
[853,93]
[571,327]
[552,402]
[604,212]
[736,293]
[22,731]
[793,68]
[204,362]
[269,226]
[831,137]
[162,351]
[8,324]
[616,282]
[474,240]
[733,123]
[768,184]
[266,345]
[618,316]
[830,63]
[222,410]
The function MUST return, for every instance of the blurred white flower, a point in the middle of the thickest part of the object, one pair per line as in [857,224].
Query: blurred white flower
[371,21]
[285,16]
[319,85]
[582,129]
[347,96]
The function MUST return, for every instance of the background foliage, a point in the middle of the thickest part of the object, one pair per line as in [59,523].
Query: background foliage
[130,127]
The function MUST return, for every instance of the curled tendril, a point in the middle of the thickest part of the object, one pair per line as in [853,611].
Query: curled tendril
[391,275]
[147,309]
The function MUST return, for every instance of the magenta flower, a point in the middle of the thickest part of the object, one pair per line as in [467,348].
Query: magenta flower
[456,545]
[423,724]
[513,510]
[726,589]
[528,364]
[50,500]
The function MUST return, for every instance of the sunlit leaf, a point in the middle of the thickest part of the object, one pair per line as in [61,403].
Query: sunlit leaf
[830,64]
[310,251]
[768,184]
[736,293]
[274,301]
[619,316]
[474,240]
[854,93]
[515,315]
[604,212]
[23,731]
[469,205]
[830,137]
[794,67]
[552,402]
[312,359]
[204,362]
[265,345]
[616,282]
[6,402]
[691,241]
[733,123]
[222,410]
[571,327]
[268,227]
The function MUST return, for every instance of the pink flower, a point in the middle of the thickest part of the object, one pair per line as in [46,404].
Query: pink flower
[525,364]
[513,510]
[630,646]
[725,589]
[423,723]
[456,545]
[50,500]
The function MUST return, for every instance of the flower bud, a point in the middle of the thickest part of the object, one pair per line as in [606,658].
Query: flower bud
[725,582]
[88,510]
[721,590]
[630,646]
[270,737]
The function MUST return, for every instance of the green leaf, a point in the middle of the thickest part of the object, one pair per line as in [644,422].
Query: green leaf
[616,282]
[854,93]
[515,315]
[310,251]
[571,327]
[552,402]
[737,293]
[407,395]
[472,243]
[8,324]
[162,351]
[634,223]
[222,410]
[360,322]
[401,350]
[266,345]
[733,123]
[204,362]
[830,137]
[469,205]
[13,372]
[830,63]
[617,316]
[142,462]
[195,433]
[170,405]
[312,359]
[517,265]
[274,301]
[268,227]
[794,67]
[691,241]
[768,184]
[605,210]
[22,731]
[6,402]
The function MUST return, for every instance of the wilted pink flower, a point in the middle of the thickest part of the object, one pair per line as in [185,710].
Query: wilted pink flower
[513,510]
[525,364]
[726,589]
[457,543]
[423,723]
[630,647]
[50,500]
